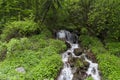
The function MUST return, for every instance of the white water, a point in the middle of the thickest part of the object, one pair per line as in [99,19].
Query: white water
[62,34]
[93,70]
[66,72]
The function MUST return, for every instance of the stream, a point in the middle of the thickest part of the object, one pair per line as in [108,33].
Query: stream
[67,72]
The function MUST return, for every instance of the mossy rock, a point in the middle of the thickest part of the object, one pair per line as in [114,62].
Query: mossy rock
[78,51]
[78,63]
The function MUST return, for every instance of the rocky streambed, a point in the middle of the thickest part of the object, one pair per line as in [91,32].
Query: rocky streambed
[78,64]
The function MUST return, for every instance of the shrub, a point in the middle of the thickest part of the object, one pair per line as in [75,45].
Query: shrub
[38,65]
[89,41]
[109,65]
[26,59]
[47,68]
[37,55]
[39,41]
[59,45]
[19,28]
[114,48]
[114,75]
[93,43]
[46,33]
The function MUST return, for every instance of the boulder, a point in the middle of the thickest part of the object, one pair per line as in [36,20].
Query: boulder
[20,70]
[86,65]
[78,51]
[79,74]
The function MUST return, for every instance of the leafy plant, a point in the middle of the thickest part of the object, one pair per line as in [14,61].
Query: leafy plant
[39,56]
[19,29]
[114,48]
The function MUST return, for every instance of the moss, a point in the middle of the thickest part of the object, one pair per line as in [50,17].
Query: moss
[78,63]
[89,78]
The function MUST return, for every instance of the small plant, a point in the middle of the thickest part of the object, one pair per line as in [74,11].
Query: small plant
[89,78]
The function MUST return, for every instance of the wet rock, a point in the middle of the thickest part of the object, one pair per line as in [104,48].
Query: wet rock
[80,74]
[74,38]
[68,45]
[69,53]
[90,55]
[72,65]
[71,59]
[93,71]
[78,51]
[86,64]
[82,58]
[82,67]
[75,62]
[20,69]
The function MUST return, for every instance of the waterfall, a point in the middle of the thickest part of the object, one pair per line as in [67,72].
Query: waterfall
[67,73]
[66,35]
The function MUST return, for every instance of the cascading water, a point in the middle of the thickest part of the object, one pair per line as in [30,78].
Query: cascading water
[66,72]
[93,70]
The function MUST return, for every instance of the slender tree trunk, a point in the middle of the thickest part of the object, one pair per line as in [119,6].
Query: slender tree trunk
[36,10]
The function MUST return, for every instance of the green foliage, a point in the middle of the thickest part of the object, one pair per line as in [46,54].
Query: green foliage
[2,45]
[104,16]
[58,44]
[46,33]
[92,43]
[26,59]
[38,55]
[109,65]
[89,78]
[89,41]
[47,68]
[84,31]
[97,16]
[79,63]
[14,10]
[19,28]
[114,48]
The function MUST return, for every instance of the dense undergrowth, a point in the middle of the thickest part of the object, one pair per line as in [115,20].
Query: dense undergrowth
[108,56]
[37,54]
